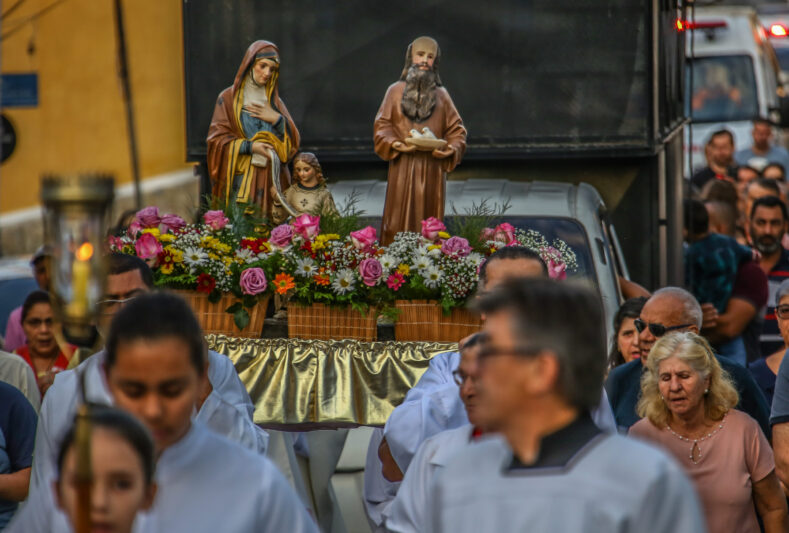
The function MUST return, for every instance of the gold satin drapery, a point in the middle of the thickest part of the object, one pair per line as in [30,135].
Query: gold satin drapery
[313,384]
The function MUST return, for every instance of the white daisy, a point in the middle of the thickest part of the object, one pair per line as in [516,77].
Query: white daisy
[245,255]
[435,253]
[432,277]
[194,256]
[388,262]
[344,281]
[475,258]
[305,267]
[421,263]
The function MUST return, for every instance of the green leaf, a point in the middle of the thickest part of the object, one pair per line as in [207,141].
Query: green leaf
[249,300]
[236,290]
[236,307]
[215,296]
[241,318]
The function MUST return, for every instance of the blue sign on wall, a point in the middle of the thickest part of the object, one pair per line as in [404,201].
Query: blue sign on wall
[19,90]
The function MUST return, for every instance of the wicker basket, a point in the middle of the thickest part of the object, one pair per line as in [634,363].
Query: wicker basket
[320,321]
[424,320]
[214,319]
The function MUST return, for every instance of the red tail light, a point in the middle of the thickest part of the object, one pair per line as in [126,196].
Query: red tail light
[778,30]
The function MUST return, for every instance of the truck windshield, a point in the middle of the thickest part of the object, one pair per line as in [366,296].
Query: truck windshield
[724,89]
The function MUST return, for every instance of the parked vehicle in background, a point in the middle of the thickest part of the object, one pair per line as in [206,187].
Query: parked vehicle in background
[16,282]
[733,77]
[573,213]
[775,18]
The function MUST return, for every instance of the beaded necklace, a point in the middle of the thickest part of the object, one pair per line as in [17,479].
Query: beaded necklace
[695,446]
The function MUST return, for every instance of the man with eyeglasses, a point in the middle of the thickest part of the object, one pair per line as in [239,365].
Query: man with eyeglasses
[674,309]
[224,407]
[433,405]
[552,468]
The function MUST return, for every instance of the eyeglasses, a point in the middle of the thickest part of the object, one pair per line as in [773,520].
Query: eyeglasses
[658,330]
[782,311]
[108,307]
[36,323]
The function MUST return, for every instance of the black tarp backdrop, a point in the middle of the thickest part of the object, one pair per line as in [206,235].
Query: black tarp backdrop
[540,76]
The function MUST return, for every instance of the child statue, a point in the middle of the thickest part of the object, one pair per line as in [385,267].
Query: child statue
[308,192]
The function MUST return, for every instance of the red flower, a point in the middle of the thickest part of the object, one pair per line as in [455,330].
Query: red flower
[205,283]
[256,245]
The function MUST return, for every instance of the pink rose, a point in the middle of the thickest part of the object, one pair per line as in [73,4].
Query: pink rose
[148,217]
[364,238]
[134,228]
[505,233]
[172,222]
[281,236]
[371,271]
[431,227]
[557,269]
[147,246]
[456,246]
[253,281]
[115,243]
[306,225]
[215,219]
[487,234]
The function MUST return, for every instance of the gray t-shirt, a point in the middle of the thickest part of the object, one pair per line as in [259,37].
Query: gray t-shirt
[776,154]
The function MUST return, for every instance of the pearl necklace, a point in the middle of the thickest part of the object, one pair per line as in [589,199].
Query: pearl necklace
[695,446]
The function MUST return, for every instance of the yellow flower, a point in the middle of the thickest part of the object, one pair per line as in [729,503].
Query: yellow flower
[166,268]
[178,255]
[152,231]
[227,261]
[212,255]
[318,245]
[266,247]
[434,246]
[443,234]
[332,237]
[404,269]
[167,237]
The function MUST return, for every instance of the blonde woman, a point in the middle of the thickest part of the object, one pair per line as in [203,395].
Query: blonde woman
[687,407]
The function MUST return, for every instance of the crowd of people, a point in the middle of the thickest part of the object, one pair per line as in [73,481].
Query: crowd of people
[684,426]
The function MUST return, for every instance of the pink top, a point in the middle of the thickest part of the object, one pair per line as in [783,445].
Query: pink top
[731,461]
[14,334]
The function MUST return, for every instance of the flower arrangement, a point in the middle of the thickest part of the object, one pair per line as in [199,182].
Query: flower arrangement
[327,268]
[227,252]
[214,256]
[558,255]
[431,265]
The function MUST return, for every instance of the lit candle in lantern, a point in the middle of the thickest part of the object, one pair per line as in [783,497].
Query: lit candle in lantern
[80,276]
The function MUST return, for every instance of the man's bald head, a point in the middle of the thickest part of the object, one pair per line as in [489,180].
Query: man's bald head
[680,303]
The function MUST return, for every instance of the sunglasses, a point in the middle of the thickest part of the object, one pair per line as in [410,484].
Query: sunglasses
[657,330]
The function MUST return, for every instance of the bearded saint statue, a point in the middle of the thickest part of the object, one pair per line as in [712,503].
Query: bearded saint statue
[252,136]
[417,179]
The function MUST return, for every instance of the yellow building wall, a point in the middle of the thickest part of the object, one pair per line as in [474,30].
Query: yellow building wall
[80,121]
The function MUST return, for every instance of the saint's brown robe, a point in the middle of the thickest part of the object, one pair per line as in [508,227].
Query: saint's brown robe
[225,136]
[417,181]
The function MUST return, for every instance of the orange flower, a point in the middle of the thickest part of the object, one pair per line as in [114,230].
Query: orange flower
[321,279]
[283,282]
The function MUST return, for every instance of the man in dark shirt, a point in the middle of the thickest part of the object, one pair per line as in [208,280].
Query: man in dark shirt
[767,227]
[675,309]
[720,160]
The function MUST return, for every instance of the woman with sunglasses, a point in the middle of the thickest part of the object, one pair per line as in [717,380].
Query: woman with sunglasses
[42,352]
[687,404]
